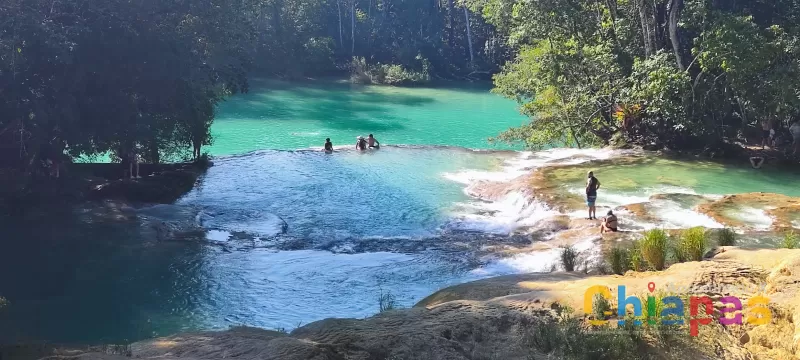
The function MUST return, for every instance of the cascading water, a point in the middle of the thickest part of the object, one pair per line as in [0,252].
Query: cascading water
[278,238]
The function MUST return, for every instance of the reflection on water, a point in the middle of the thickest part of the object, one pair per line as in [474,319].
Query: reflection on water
[69,281]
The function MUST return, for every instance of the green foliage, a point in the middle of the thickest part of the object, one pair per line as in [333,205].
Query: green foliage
[654,248]
[790,240]
[662,90]
[636,257]
[600,306]
[619,260]
[692,244]
[726,237]
[569,258]
[678,255]
[564,113]
[88,78]
[299,38]
[571,338]
[706,74]
[396,75]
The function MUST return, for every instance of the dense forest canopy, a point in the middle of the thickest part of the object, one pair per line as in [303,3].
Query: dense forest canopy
[679,73]
[84,77]
[91,77]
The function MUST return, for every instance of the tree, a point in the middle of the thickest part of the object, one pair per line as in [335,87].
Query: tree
[630,68]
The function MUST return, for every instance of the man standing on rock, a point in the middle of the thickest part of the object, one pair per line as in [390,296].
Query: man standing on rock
[592,184]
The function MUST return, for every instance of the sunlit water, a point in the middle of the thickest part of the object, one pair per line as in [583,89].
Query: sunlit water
[293,236]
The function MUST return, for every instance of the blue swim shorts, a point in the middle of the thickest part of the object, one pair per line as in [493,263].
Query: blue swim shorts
[590,200]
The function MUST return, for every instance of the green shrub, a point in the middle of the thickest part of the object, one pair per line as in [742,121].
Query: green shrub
[692,244]
[571,338]
[678,254]
[790,240]
[386,301]
[618,259]
[569,258]
[726,237]
[654,248]
[389,74]
[600,306]
[657,330]
[635,256]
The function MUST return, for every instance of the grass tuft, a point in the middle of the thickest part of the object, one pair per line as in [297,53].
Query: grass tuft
[600,305]
[726,237]
[571,338]
[692,244]
[790,240]
[635,256]
[654,248]
[569,258]
[619,260]
[386,301]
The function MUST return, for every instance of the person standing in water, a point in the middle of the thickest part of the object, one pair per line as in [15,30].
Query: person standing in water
[361,143]
[592,184]
[328,145]
[373,143]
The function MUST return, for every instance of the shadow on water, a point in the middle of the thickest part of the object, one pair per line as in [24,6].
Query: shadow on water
[69,281]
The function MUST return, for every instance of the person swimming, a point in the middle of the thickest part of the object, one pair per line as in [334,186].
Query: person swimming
[328,145]
[361,143]
[373,143]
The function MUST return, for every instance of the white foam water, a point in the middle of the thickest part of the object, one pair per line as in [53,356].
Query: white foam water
[756,219]
[537,261]
[517,209]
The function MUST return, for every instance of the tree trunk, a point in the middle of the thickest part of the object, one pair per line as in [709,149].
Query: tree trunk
[353,28]
[469,37]
[154,156]
[644,19]
[339,11]
[658,23]
[674,15]
[451,23]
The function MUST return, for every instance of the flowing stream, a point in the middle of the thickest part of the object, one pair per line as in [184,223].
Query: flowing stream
[282,237]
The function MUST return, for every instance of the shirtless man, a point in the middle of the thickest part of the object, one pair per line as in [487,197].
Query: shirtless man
[328,145]
[609,223]
[373,143]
